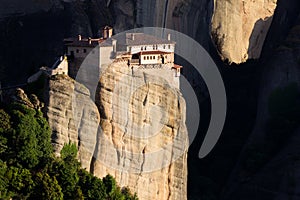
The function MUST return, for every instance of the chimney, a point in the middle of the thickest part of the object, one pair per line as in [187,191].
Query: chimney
[107,32]
[132,36]
[79,38]
[169,36]
[90,40]
[114,44]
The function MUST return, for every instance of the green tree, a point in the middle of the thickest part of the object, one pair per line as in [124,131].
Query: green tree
[5,128]
[92,187]
[46,187]
[20,182]
[67,172]
[4,182]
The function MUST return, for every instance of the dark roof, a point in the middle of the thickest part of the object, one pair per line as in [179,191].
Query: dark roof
[140,39]
[83,42]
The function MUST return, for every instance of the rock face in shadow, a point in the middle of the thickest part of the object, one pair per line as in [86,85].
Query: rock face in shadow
[34,31]
[191,17]
[239,28]
[144,141]
[275,173]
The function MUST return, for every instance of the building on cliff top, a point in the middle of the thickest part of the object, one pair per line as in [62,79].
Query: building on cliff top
[140,51]
[59,67]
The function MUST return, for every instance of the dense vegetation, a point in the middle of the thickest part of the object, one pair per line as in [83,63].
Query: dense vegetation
[29,169]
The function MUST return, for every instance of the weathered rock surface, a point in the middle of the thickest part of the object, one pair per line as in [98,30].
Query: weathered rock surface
[72,116]
[239,28]
[144,141]
[279,177]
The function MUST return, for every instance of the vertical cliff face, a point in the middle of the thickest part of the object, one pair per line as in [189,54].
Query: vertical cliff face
[239,28]
[191,17]
[143,142]
[72,116]
[276,174]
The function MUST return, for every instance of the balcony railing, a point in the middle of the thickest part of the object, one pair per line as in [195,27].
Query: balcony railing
[135,61]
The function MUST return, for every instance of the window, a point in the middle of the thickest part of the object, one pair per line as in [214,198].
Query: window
[145,48]
[144,57]
[84,50]
[164,46]
[169,46]
[153,47]
[147,57]
[77,50]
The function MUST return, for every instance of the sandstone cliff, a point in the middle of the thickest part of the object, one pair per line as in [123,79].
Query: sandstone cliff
[239,28]
[144,139]
[72,116]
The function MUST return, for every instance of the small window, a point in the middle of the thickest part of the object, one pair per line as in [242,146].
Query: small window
[144,57]
[142,48]
[164,46]
[84,50]
[169,46]
[145,48]
[77,50]
[147,57]
[153,47]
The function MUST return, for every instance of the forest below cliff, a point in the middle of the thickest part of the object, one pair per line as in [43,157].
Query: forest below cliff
[30,170]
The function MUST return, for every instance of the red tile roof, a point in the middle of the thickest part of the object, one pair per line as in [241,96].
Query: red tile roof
[177,66]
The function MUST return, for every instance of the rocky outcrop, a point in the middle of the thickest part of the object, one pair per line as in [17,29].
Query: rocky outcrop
[278,177]
[239,28]
[72,116]
[144,141]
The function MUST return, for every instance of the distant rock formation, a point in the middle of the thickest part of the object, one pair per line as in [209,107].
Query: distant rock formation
[239,28]
[278,178]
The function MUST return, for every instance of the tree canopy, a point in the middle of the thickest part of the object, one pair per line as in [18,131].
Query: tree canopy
[29,169]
